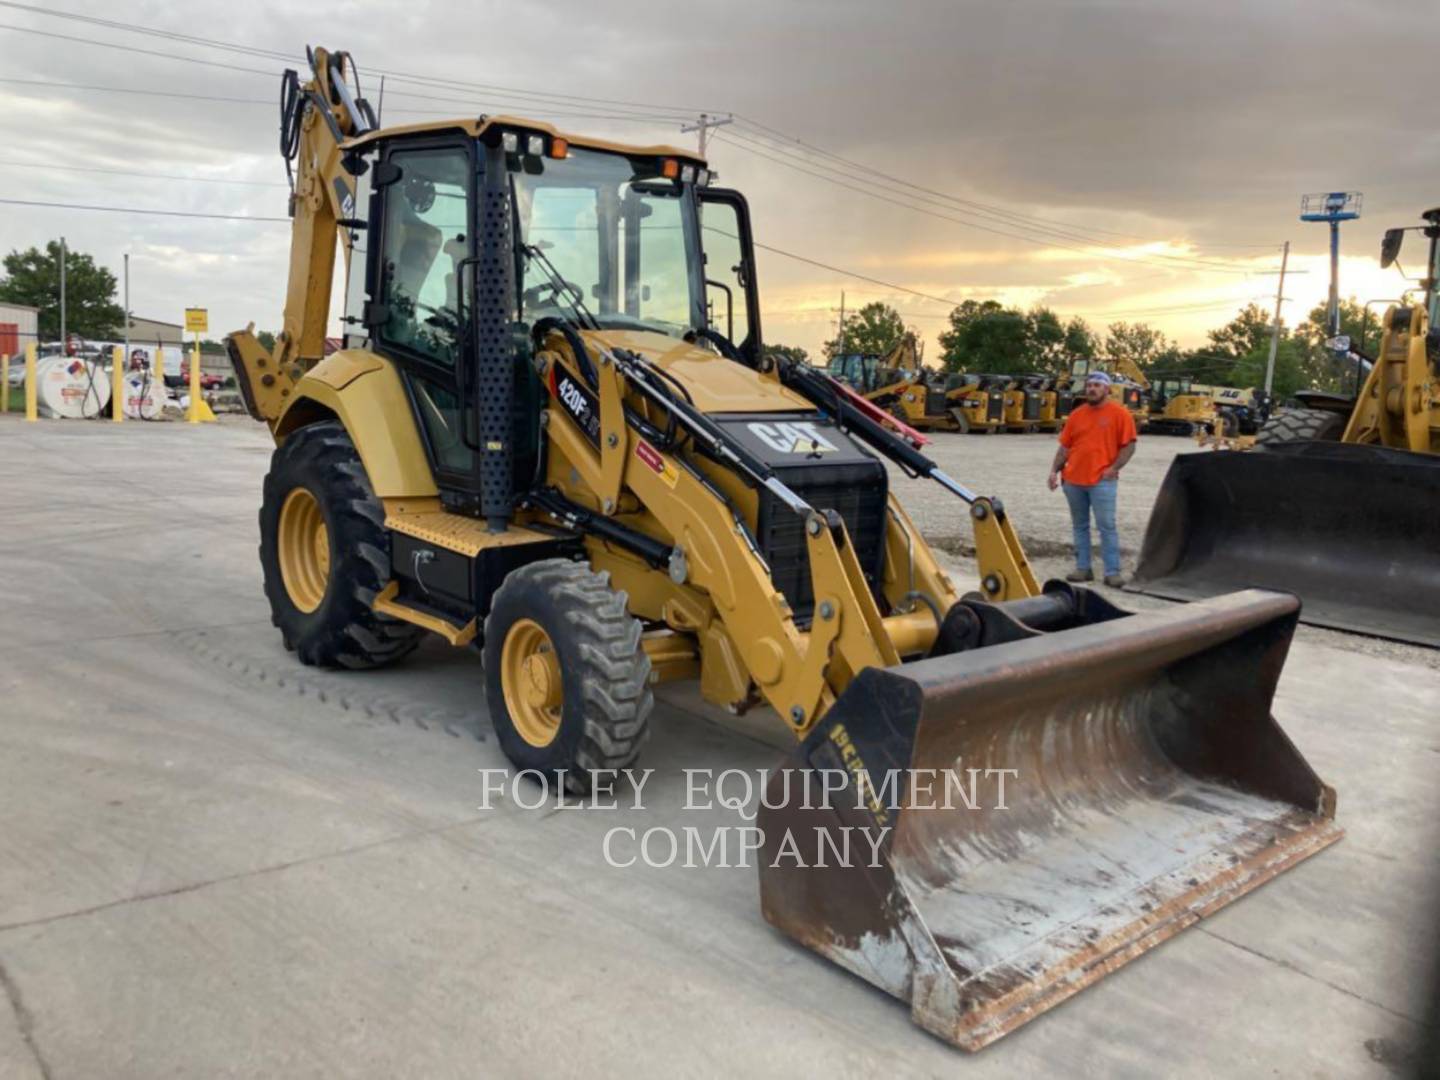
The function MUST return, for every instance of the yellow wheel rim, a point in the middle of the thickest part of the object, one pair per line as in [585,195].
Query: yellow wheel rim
[304,549]
[530,680]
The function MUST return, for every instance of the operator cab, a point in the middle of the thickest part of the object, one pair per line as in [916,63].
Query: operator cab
[475,239]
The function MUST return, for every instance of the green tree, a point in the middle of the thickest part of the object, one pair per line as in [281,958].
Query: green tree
[1052,344]
[1080,343]
[33,278]
[875,328]
[1320,368]
[1249,371]
[1243,335]
[1139,343]
[986,336]
[266,340]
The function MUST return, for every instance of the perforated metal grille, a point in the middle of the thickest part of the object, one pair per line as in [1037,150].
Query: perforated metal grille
[495,361]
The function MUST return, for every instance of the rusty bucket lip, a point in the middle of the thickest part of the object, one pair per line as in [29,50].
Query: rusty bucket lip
[926,936]
[974,1031]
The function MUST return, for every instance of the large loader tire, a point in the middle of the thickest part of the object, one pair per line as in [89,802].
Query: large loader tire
[566,678]
[324,553]
[1301,425]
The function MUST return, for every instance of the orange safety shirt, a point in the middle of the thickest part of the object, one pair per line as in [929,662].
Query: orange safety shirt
[1094,435]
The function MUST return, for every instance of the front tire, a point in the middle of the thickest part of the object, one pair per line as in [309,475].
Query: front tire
[1303,425]
[566,677]
[324,554]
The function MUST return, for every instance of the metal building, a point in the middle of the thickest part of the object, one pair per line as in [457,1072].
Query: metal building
[18,326]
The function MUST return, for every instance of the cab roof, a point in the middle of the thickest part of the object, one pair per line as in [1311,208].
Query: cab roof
[477,126]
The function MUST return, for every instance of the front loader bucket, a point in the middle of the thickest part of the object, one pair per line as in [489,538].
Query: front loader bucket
[1145,785]
[1352,530]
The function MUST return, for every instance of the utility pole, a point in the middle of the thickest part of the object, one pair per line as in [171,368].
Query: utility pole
[64,338]
[127,307]
[1275,330]
[703,126]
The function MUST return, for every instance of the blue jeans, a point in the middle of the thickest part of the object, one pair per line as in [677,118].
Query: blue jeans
[1100,499]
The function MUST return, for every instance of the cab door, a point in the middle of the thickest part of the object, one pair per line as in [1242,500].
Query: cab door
[731,298]
[419,282]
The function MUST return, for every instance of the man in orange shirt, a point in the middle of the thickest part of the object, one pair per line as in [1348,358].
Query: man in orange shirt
[1096,443]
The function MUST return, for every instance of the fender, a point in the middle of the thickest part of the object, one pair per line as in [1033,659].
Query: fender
[364,392]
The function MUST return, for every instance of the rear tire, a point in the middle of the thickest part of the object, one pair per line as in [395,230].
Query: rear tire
[566,678]
[1303,425]
[324,554]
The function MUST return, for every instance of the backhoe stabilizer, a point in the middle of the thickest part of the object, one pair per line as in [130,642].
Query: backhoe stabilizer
[265,387]
[1027,816]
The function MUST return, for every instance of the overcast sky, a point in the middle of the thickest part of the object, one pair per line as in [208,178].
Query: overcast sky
[1146,158]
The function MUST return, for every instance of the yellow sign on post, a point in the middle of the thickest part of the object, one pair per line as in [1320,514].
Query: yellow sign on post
[197,321]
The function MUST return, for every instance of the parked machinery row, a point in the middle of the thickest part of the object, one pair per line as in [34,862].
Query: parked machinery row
[965,402]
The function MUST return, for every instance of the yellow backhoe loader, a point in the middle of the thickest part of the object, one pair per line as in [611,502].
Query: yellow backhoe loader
[901,384]
[978,399]
[534,444]
[1339,502]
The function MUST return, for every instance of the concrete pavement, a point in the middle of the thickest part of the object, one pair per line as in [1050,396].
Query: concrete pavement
[214,861]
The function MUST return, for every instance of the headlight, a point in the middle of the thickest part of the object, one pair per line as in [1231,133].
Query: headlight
[511,142]
[536,146]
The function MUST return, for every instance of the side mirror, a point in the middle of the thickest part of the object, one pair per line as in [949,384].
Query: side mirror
[1390,247]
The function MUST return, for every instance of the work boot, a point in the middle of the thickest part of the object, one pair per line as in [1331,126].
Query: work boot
[1080,575]
[1115,581]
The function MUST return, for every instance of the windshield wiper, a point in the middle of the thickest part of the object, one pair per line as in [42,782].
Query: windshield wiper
[562,288]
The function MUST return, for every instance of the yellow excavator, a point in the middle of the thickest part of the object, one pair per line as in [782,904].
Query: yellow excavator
[534,444]
[1339,502]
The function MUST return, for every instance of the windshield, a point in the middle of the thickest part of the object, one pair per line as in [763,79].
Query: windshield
[600,240]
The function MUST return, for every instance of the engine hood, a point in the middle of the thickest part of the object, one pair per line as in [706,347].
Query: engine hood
[716,384]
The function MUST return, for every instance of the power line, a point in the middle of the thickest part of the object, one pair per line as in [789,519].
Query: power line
[670,113]
[852,274]
[1040,241]
[776,136]
[136,210]
[137,49]
[48,166]
[269,104]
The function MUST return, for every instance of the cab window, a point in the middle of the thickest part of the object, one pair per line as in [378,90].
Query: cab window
[425,238]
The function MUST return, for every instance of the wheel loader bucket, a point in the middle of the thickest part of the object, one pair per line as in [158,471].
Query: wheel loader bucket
[1353,531]
[1108,786]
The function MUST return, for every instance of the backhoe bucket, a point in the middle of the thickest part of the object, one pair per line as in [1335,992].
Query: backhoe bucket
[1354,531]
[1041,811]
